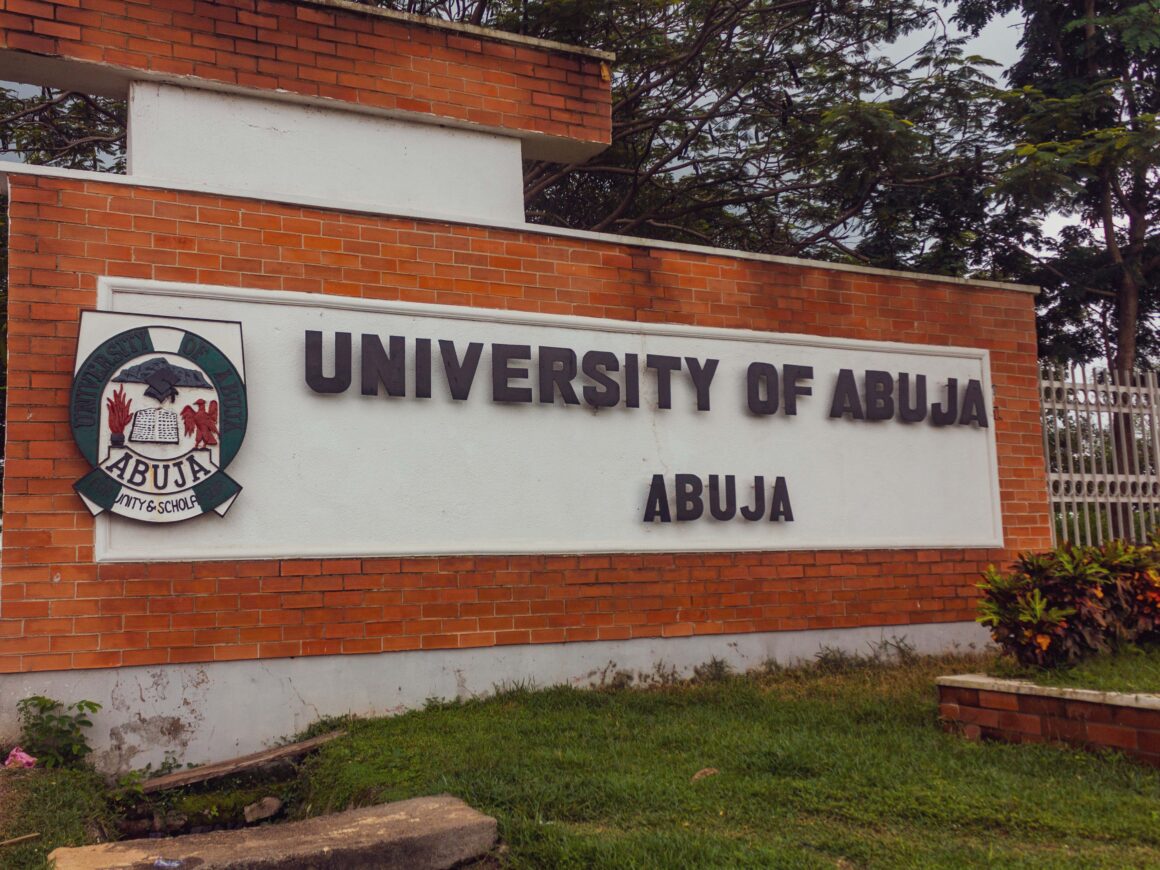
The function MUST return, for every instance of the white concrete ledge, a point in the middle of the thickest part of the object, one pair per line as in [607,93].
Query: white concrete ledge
[263,145]
[985,683]
[7,169]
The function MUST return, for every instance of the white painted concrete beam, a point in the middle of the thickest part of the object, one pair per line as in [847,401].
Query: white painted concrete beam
[193,710]
[267,148]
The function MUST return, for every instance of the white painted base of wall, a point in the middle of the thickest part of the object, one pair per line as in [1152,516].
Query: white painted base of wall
[210,712]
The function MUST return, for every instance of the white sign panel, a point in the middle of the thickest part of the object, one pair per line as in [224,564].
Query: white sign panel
[383,428]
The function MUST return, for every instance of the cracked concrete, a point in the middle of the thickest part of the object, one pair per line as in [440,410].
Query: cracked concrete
[420,834]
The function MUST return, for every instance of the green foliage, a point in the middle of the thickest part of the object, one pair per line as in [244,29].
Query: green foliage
[1082,142]
[63,128]
[1060,607]
[129,788]
[785,128]
[54,733]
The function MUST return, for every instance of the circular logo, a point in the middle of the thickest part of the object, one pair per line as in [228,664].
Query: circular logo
[159,412]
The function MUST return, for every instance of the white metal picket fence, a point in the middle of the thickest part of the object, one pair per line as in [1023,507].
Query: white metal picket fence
[1101,437]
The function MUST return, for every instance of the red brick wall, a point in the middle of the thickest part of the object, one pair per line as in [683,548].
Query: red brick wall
[315,51]
[59,610]
[1024,718]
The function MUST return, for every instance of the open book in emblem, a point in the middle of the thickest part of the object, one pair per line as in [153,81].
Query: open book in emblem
[155,426]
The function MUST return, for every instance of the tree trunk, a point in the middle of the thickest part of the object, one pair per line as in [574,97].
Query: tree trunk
[1123,365]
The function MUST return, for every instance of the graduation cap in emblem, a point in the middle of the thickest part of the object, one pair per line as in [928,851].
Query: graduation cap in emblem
[162,379]
[162,384]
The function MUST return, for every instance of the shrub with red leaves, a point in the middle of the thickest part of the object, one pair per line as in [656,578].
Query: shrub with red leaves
[1056,608]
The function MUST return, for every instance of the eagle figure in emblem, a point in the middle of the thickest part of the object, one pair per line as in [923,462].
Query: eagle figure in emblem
[203,421]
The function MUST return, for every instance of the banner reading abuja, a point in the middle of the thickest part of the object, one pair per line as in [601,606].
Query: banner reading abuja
[388,428]
[158,410]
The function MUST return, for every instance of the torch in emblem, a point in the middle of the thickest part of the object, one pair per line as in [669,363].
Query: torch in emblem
[119,415]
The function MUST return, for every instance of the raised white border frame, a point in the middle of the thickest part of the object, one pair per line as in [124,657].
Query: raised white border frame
[115,292]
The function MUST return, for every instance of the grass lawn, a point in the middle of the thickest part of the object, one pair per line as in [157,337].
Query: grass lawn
[835,766]
[840,764]
[66,807]
[1133,669]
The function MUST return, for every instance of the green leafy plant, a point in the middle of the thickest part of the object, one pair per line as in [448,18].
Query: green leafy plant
[1060,607]
[54,733]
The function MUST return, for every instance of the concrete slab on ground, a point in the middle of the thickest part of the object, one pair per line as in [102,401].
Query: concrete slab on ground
[428,833]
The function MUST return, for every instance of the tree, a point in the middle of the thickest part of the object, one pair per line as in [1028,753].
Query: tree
[778,126]
[63,128]
[1081,120]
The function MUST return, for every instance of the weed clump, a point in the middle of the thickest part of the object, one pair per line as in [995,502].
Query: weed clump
[713,671]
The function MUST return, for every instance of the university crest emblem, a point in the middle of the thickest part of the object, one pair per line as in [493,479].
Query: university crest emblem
[158,408]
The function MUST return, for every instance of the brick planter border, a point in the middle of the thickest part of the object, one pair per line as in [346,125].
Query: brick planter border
[1022,712]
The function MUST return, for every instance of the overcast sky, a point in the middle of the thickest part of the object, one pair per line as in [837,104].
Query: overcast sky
[997,41]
